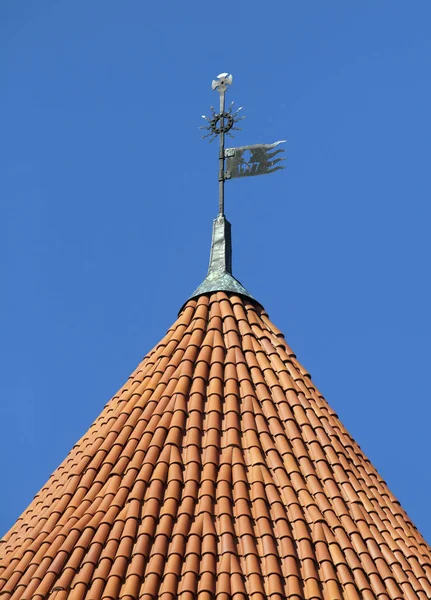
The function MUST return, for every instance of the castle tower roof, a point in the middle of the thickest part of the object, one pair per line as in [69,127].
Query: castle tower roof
[217,471]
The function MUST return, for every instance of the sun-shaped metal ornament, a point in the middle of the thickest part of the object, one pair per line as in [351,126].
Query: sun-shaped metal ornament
[222,122]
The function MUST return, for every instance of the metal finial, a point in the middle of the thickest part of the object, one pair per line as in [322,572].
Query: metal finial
[220,84]
[219,276]
[243,161]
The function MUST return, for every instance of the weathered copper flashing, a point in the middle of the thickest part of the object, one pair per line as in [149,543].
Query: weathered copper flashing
[219,277]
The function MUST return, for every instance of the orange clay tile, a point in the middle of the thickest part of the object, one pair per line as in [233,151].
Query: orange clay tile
[217,471]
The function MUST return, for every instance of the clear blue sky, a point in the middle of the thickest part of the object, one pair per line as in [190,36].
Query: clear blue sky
[108,195]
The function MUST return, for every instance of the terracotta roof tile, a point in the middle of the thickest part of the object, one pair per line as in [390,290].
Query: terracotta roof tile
[217,471]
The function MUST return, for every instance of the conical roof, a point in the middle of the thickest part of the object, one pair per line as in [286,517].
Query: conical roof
[217,471]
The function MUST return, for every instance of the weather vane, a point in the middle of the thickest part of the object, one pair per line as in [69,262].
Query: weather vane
[243,161]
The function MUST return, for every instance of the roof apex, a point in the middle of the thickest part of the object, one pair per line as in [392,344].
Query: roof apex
[219,277]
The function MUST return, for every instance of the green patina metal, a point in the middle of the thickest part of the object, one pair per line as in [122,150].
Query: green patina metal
[219,277]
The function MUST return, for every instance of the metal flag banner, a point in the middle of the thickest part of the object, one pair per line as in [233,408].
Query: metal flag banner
[247,161]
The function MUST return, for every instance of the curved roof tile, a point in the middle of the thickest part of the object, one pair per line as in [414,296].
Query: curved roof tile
[217,471]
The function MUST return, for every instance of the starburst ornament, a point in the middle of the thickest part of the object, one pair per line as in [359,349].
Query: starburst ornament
[223,122]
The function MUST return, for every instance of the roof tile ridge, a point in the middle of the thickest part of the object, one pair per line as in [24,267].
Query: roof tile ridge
[369,567]
[326,565]
[345,576]
[360,514]
[260,406]
[297,458]
[277,340]
[226,308]
[268,361]
[218,341]
[334,432]
[35,544]
[66,555]
[208,338]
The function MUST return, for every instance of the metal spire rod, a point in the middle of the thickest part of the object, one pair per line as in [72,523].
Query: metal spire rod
[221,177]
[218,125]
